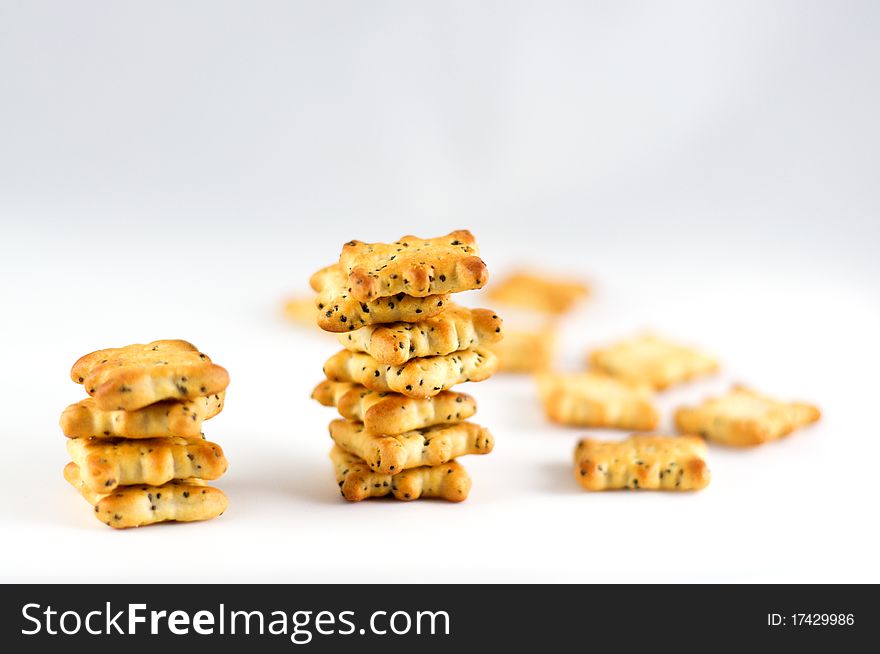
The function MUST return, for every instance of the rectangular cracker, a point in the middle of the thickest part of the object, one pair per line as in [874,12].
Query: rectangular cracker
[418,378]
[107,463]
[391,454]
[745,418]
[525,351]
[651,360]
[449,481]
[393,413]
[338,310]
[455,329]
[134,376]
[138,506]
[162,419]
[539,292]
[591,399]
[415,266]
[675,463]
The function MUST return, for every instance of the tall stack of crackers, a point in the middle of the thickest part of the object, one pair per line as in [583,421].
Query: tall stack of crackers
[406,345]
[138,453]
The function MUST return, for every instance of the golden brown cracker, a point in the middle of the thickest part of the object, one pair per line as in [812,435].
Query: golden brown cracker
[137,506]
[338,310]
[107,463]
[523,351]
[744,418]
[539,291]
[393,413]
[414,266]
[391,454]
[455,329]
[651,360]
[134,376]
[162,419]
[357,482]
[676,463]
[418,378]
[591,399]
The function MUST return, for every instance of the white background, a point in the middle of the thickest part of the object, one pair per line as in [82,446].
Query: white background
[172,170]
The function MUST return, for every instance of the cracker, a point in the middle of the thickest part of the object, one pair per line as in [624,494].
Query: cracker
[745,418]
[525,351]
[300,309]
[651,360]
[132,377]
[339,311]
[449,481]
[162,419]
[393,413]
[591,399]
[424,377]
[675,463]
[455,329]
[538,291]
[415,266]
[137,506]
[107,463]
[391,454]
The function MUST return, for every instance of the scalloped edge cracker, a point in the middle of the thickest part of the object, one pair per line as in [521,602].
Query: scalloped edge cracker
[339,311]
[648,359]
[393,413]
[525,351]
[391,454]
[107,463]
[642,462]
[413,265]
[590,399]
[550,294]
[449,481]
[162,419]
[745,418]
[135,376]
[419,378]
[457,328]
[137,506]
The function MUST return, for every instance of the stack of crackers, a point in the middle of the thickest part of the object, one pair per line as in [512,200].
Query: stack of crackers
[406,345]
[139,455]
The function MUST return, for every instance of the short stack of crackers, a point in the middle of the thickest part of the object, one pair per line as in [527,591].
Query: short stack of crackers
[406,345]
[136,443]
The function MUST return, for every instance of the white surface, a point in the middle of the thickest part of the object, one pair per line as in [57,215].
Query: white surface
[172,173]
